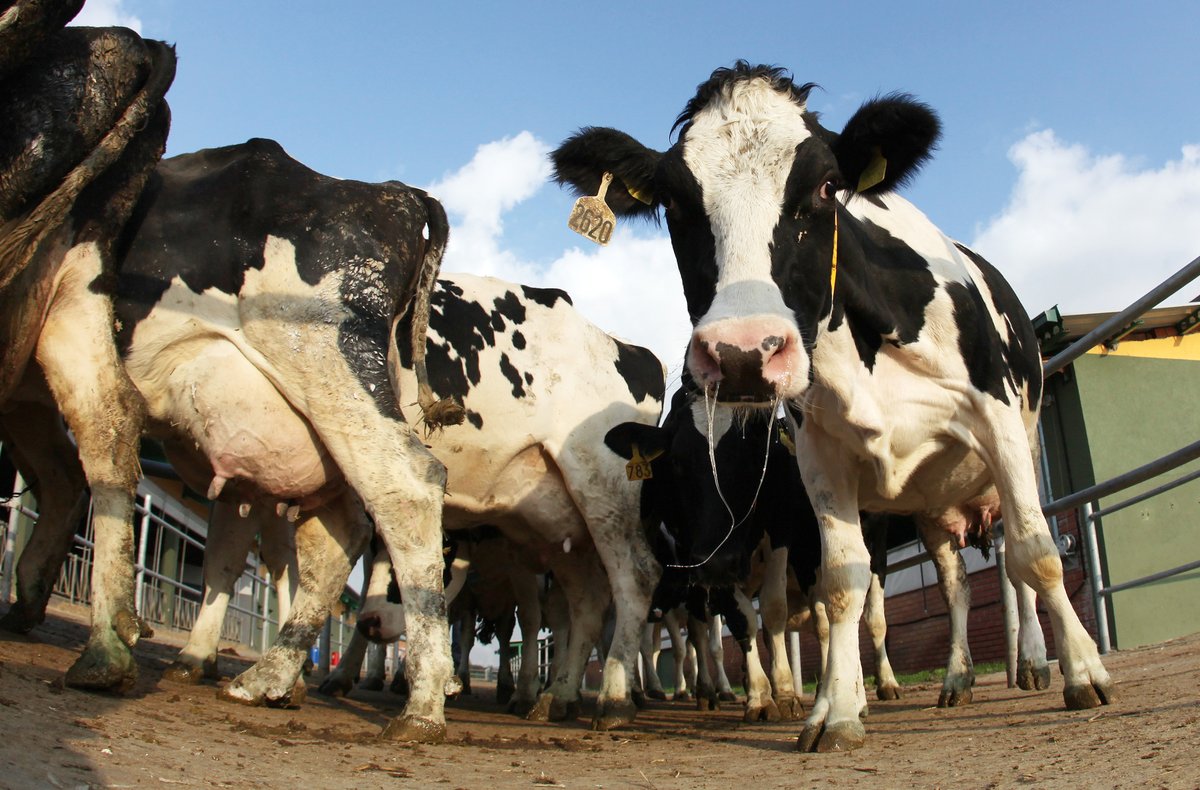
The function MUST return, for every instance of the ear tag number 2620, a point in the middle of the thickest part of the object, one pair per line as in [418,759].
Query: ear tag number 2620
[592,218]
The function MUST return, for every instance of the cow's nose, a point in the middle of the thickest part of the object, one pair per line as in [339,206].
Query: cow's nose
[750,360]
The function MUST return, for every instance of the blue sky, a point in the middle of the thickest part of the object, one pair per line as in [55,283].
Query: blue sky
[1071,153]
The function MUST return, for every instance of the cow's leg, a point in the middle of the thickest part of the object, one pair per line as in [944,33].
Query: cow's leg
[466,642]
[277,548]
[772,604]
[48,461]
[679,653]
[886,685]
[529,615]
[632,573]
[105,413]
[952,580]
[1033,670]
[706,692]
[581,578]
[328,541]
[760,705]
[651,638]
[716,650]
[340,679]
[557,618]
[229,541]
[1033,556]
[831,480]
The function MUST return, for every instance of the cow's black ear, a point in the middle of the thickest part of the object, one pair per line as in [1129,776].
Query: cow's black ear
[650,440]
[885,143]
[583,159]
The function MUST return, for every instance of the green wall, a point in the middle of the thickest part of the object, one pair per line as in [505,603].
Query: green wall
[1136,410]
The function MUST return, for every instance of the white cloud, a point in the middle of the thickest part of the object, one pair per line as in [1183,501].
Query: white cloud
[630,288]
[1093,233]
[107,13]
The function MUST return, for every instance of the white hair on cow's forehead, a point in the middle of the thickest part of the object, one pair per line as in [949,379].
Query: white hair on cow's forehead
[740,148]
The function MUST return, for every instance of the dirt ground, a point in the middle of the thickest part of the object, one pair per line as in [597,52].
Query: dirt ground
[162,735]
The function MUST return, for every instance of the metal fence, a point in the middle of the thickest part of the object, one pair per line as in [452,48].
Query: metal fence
[168,588]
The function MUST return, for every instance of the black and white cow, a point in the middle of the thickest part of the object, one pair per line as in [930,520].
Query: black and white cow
[256,302]
[911,361]
[84,123]
[541,386]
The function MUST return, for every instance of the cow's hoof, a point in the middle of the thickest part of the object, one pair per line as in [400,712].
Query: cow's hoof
[414,729]
[335,685]
[21,619]
[1031,677]
[366,684]
[464,684]
[953,698]
[844,736]
[1089,695]
[767,711]
[504,694]
[681,696]
[521,707]
[889,692]
[790,708]
[251,688]
[727,696]
[658,694]
[639,699]
[550,708]
[613,714]
[399,686]
[190,675]
[453,687]
[106,665]
[708,702]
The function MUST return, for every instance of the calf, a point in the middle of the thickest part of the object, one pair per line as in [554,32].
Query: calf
[908,369]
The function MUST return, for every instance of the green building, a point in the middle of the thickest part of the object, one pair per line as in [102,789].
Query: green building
[1117,408]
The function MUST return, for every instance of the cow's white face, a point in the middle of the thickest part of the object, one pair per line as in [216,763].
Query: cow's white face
[740,151]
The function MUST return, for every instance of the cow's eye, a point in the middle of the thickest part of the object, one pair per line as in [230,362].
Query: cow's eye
[828,190]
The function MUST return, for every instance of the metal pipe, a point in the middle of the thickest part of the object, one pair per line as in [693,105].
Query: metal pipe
[143,541]
[1162,489]
[1012,622]
[1121,482]
[10,539]
[1095,576]
[1122,319]
[267,587]
[1116,588]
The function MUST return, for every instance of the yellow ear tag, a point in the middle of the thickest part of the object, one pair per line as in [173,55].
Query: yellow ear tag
[785,439]
[592,218]
[638,467]
[875,172]
[638,195]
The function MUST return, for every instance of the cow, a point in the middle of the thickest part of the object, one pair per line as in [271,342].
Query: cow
[541,385]
[85,121]
[908,370]
[530,460]
[242,274]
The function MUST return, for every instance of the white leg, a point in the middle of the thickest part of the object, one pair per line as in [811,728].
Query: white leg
[772,605]
[952,581]
[760,705]
[716,650]
[886,685]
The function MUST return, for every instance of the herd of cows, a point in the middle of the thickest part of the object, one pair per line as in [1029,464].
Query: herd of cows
[287,337]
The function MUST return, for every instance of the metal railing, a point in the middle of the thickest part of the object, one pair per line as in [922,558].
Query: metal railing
[163,597]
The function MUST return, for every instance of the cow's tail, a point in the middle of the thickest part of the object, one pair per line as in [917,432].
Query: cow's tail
[447,411]
[21,236]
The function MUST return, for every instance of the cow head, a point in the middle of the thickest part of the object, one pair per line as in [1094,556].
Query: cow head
[750,192]
[708,503]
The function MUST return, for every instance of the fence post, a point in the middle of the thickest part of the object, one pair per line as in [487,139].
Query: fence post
[143,541]
[1095,576]
[10,537]
[265,634]
[1008,600]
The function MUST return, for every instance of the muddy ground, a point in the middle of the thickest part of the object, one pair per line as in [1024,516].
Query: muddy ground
[163,735]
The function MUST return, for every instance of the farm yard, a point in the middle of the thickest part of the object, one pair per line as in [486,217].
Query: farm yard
[164,735]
